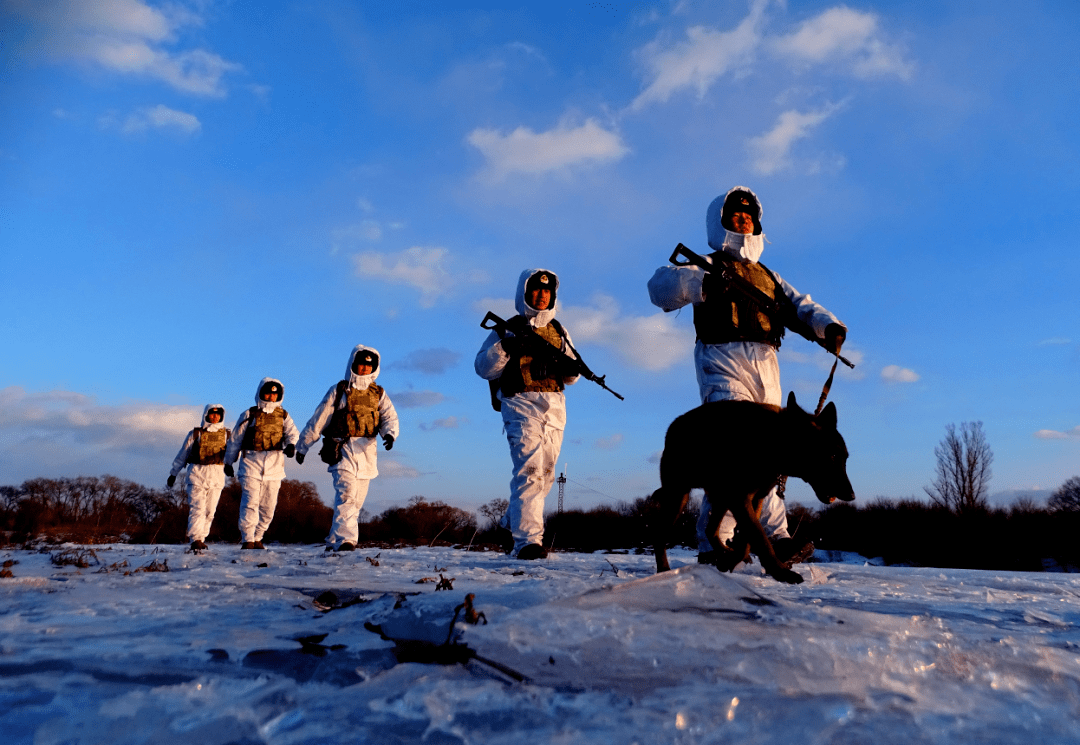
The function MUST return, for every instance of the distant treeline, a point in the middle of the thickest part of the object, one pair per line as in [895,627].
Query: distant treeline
[1023,537]
[107,509]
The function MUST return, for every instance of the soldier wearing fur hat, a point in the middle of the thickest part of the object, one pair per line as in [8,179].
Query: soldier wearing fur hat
[740,316]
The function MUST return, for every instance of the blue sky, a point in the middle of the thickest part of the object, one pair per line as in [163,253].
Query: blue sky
[200,194]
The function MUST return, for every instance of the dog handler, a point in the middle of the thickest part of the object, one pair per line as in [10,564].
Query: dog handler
[352,414]
[264,435]
[203,452]
[737,336]
[532,403]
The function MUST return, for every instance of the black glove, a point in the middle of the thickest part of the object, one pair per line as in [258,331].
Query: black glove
[229,470]
[388,441]
[512,346]
[171,481]
[568,368]
[299,457]
[835,334]
[290,450]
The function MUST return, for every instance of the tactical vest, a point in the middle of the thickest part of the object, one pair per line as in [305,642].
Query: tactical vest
[528,374]
[751,306]
[359,417]
[208,449]
[265,431]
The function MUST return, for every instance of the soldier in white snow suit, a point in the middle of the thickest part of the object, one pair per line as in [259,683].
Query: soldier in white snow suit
[738,333]
[352,414]
[264,436]
[533,406]
[203,453]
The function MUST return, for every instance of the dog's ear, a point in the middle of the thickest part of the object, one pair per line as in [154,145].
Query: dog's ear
[827,417]
[791,402]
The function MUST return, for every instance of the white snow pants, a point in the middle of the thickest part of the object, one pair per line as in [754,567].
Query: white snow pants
[740,371]
[257,505]
[534,450]
[204,490]
[350,492]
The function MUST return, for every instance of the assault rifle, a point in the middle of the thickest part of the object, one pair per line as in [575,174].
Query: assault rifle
[724,271]
[540,346]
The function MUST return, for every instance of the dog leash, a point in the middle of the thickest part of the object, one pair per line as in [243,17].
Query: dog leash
[781,483]
[826,388]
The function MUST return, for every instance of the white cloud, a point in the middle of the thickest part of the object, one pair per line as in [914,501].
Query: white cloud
[127,37]
[527,49]
[500,306]
[392,469]
[897,374]
[771,152]
[68,417]
[161,117]
[421,267]
[697,62]
[416,399]
[653,342]
[844,35]
[609,443]
[1050,434]
[565,146]
[366,230]
[429,361]
[450,422]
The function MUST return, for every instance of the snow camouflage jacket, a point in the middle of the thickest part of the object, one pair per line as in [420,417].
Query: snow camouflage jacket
[546,406]
[197,450]
[359,452]
[271,415]
[673,287]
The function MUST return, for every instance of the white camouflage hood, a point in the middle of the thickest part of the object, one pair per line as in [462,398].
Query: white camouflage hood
[361,382]
[207,425]
[269,406]
[747,247]
[536,318]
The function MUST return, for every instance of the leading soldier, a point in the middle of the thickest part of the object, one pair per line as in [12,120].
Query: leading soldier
[740,316]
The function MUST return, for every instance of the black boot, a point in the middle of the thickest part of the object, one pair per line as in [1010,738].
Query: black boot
[532,551]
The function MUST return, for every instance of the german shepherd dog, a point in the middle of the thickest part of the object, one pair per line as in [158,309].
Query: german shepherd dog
[736,451]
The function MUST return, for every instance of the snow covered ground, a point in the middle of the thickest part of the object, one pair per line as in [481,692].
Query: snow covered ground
[249,647]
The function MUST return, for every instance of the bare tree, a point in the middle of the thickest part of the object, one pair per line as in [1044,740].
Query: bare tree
[1067,497]
[963,468]
[493,511]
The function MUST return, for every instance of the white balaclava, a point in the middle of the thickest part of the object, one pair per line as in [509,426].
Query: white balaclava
[747,247]
[537,318]
[268,406]
[213,427]
[361,382]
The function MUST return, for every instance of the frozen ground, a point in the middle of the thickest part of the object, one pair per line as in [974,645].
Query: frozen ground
[246,647]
